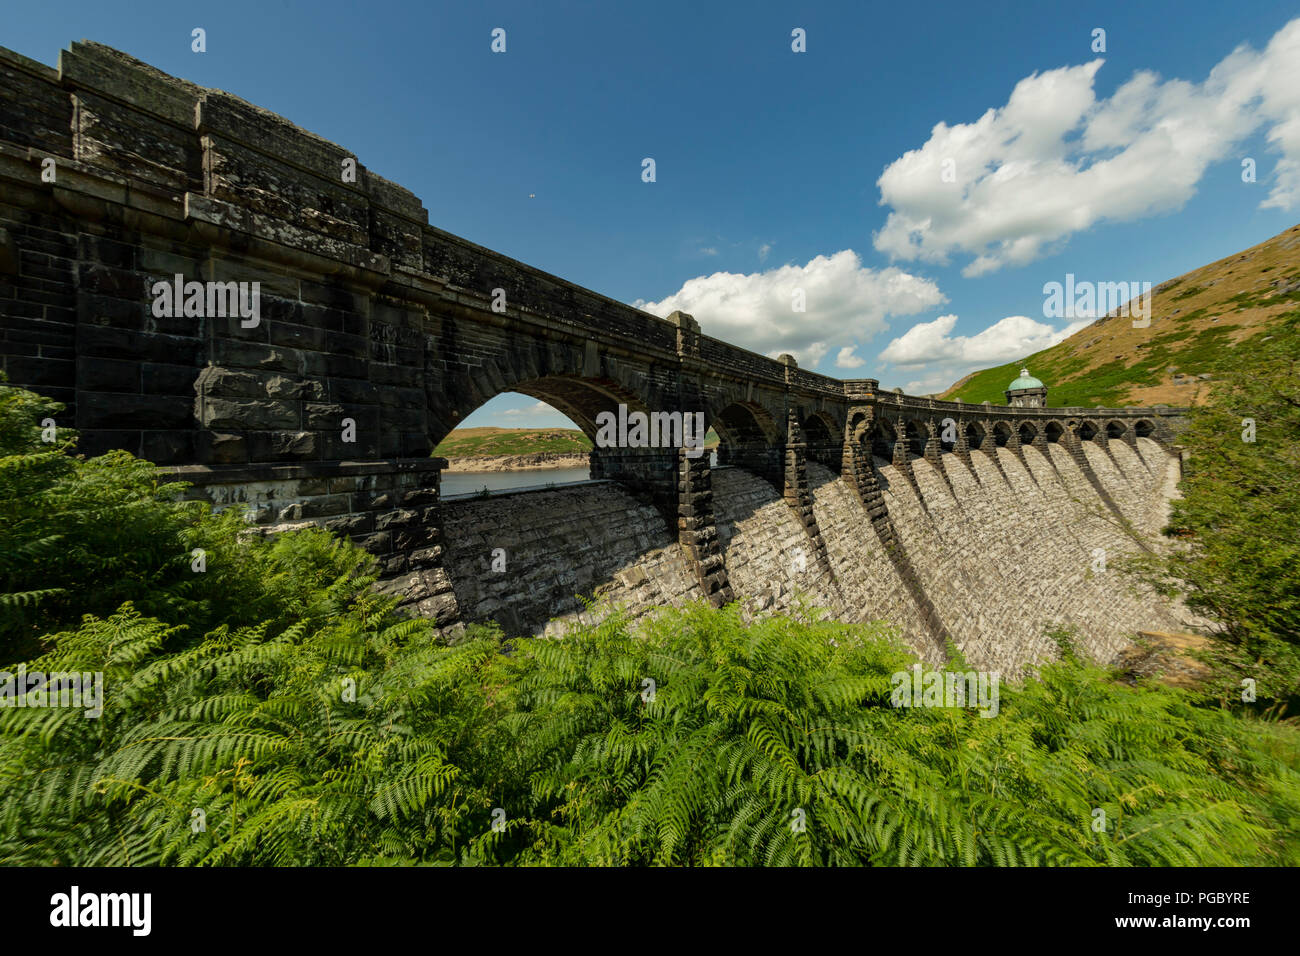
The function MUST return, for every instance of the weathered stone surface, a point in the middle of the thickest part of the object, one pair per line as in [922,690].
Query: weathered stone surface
[375,336]
[249,414]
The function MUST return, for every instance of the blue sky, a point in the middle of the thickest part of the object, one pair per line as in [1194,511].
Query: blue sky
[777,170]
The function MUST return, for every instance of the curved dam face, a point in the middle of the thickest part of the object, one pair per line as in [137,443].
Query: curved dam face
[373,334]
[992,554]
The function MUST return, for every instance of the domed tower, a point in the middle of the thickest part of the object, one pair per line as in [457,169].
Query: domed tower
[1027,391]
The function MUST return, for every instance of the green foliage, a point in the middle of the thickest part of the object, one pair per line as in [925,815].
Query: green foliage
[749,729]
[1239,516]
[1192,350]
[277,710]
[83,536]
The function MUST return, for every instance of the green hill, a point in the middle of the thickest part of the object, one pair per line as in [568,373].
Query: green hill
[1196,320]
[487,440]
[479,442]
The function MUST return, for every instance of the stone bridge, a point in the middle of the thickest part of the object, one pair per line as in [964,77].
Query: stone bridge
[378,333]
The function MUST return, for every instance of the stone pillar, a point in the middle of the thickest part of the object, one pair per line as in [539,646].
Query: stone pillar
[681,489]
[857,470]
[697,532]
[796,493]
[961,448]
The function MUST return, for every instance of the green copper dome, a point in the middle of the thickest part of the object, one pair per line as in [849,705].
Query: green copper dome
[1025,381]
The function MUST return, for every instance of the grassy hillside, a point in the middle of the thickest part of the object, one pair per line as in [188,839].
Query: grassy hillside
[471,442]
[1196,320]
[477,442]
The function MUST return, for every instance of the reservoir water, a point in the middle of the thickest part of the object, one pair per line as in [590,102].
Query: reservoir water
[472,482]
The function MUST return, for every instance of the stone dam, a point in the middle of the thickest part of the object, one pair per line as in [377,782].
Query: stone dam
[378,333]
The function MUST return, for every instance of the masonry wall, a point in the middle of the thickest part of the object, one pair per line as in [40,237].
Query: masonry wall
[1002,561]
[526,559]
[378,335]
[1009,557]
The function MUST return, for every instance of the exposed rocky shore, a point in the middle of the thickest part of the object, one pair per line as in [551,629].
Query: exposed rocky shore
[533,462]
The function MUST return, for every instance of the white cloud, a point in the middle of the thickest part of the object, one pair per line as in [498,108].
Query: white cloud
[540,408]
[763,250]
[946,357]
[1054,160]
[709,251]
[846,304]
[1013,337]
[847,358]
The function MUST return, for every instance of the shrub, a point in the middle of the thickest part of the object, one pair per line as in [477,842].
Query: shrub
[750,729]
[275,709]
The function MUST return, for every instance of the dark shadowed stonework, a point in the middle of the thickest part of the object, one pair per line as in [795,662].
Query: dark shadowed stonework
[372,317]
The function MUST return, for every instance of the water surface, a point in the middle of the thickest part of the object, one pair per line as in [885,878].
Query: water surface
[470,482]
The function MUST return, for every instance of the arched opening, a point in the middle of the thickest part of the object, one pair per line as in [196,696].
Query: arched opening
[917,436]
[974,436]
[1001,434]
[747,438]
[535,436]
[1087,431]
[1144,429]
[1027,434]
[819,436]
[883,439]
[491,533]
[1053,432]
[1114,430]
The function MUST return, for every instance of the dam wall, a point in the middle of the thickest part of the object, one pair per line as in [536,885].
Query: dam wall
[1004,554]
[247,305]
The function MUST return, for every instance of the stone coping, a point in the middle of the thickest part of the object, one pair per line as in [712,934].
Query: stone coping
[232,474]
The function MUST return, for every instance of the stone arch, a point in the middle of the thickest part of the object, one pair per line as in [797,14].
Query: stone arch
[1115,429]
[580,400]
[820,435]
[916,433]
[883,438]
[1143,428]
[1087,431]
[975,435]
[1001,434]
[560,373]
[1028,433]
[745,423]
[749,438]
[1053,431]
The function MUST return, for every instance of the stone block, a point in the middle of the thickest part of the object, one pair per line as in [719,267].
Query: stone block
[107,410]
[247,413]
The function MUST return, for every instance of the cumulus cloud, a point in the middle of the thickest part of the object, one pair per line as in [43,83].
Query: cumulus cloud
[847,358]
[845,304]
[1017,335]
[947,357]
[1054,160]
[537,408]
